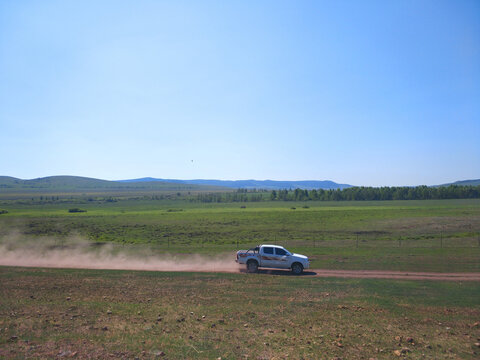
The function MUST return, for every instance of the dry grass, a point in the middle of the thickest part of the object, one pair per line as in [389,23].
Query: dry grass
[120,314]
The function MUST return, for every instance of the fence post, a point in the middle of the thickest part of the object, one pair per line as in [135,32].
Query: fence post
[399,242]
[356,244]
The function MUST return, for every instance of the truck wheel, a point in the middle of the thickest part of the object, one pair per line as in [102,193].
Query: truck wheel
[252,266]
[297,268]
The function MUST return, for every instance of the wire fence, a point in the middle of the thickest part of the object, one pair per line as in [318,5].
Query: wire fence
[358,241]
[442,242]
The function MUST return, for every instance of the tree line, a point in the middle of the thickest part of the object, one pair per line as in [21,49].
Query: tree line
[241,195]
[257,195]
[379,193]
[348,194]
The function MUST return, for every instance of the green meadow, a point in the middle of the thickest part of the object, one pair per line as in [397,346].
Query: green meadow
[429,235]
[61,313]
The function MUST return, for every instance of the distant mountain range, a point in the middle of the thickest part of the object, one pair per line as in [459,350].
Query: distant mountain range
[251,184]
[464,183]
[78,184]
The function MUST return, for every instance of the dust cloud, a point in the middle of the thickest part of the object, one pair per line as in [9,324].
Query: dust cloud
[78,253]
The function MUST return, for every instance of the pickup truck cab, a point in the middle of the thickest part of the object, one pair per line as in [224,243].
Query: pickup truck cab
[272,256]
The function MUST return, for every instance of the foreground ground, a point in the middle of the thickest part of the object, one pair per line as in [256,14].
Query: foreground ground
[55,313]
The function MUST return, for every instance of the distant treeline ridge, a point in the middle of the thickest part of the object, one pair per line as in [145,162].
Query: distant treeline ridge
[258,195]
[349,194]
[380,193]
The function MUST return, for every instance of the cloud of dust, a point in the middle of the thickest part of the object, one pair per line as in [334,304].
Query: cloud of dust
[76,252]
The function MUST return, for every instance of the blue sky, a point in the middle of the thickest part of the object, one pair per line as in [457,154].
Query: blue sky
[362,92]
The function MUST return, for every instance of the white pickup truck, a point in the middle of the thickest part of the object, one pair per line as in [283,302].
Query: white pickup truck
[272,256]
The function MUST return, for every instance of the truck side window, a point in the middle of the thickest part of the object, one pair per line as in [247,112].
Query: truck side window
[279,251]
[268,250]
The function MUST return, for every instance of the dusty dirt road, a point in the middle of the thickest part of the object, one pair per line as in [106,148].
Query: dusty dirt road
[353,274]
[195,263]
[406,275]
[378,274]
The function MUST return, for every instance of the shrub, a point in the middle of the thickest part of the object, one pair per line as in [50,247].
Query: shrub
[76,210]
[3,211]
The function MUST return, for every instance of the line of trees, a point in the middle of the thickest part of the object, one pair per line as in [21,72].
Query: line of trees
[381,193]
[348,194]
[239,196]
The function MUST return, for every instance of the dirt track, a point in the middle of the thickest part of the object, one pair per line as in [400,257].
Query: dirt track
[224,267]
[379,274]
[79,258]
[385,274]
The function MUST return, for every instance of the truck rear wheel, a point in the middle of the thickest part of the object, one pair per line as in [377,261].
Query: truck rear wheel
[297,268]
[252,266]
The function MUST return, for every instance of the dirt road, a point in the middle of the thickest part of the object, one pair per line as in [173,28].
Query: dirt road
[62,259]
[385,274]
[378,274]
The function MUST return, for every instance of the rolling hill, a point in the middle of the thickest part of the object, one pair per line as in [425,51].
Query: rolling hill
[252,184]
[464,183]
[78,184]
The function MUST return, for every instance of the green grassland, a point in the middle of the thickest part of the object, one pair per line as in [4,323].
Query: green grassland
[57,313]
[429,235]
[49,313]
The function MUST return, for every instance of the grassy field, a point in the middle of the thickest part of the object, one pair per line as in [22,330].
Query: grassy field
[57,313]
[436,235]
[47,313]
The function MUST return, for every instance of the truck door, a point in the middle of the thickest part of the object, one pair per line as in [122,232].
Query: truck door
[267,257]
[281,258]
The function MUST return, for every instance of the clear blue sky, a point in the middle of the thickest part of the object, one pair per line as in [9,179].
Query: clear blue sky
[360,92]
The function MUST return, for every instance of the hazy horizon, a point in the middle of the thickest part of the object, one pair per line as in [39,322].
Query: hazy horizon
[237,180]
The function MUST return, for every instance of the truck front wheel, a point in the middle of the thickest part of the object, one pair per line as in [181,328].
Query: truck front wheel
[297,268]
[252,266]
